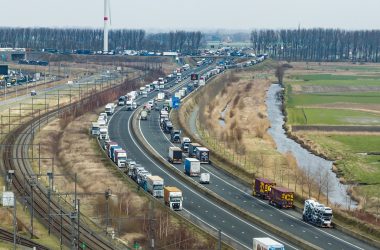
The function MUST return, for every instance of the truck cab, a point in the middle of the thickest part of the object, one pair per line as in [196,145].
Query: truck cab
[110,108]
[185,144]
[175,136]
[103,133]
[129,105]
[167,126]
[173,198]
[155,186]
[95,128]
[121,101]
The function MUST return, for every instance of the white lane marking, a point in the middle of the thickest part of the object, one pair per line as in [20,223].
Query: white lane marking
[209,225]
[184,185]
[266,204]
[216,229]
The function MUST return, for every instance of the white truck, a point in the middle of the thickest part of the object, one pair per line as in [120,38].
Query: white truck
[267,244]
[110,108]
[95,128]
[104,116]
[317,214]
[182,92]
[144,115]
[155,186]
[134,105]
[192,167]
[160,96]
[120,158]
[205,178]
[103,133]
[173,198]
[175,155]
[129,105]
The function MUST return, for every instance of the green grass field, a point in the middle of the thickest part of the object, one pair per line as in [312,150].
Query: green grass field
[330,77]
[351,68]
[305,92]
[328,98]
[319,116]
[339,83]
[346,148]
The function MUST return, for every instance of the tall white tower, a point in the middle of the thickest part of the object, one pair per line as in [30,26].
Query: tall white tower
[106,25]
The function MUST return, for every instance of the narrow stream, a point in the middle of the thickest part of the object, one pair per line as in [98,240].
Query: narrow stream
[307,161]
[222,121]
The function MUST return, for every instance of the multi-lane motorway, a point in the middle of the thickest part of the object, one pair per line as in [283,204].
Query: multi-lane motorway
[203,211]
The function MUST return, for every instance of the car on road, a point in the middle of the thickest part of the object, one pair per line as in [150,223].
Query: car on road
[33,93]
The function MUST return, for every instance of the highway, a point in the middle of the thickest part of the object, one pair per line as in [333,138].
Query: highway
[89,80]
[201,208]
[197,207]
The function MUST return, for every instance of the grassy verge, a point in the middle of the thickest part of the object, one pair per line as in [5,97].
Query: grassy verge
[129,208]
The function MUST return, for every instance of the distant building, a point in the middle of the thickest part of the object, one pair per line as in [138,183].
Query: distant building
[12,54]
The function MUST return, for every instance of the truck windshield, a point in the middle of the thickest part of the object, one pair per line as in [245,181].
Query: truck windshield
[175,199]
[122,158]
[158,187]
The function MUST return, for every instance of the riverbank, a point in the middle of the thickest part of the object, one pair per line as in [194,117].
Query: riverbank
[345,221]
[319,91]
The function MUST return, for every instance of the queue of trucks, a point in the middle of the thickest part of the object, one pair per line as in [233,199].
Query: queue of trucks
[152,184]
[281,197]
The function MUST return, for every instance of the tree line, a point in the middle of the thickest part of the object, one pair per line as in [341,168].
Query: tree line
[92,39]
[318,44]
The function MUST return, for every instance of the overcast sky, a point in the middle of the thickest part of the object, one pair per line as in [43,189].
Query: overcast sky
[194,14]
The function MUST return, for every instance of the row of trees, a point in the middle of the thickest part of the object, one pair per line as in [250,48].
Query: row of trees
[92,39]
[318,44]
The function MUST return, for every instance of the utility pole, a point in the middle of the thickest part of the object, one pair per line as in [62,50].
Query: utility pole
[33,183]
[107,194]
[50,176]
[11,172]
[219,239]
[151,224]
[78,215]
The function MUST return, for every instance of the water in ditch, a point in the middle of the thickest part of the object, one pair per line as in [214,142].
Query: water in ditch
[307,161]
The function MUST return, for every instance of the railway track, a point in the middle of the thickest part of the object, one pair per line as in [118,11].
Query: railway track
[14,153]
[8,236]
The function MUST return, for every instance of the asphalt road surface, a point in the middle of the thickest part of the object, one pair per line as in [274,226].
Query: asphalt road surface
[205,212]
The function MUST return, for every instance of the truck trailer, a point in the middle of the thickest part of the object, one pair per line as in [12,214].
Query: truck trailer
[175,155]
[192,147]
[110,108]
[267,244]
[121,158]
[262,187]
[192,167]
[281,197]
[175,136]
[202,154]
[317,214]
[173,198]
[155,186]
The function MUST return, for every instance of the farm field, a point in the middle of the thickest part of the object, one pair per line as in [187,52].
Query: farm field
[340,95]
